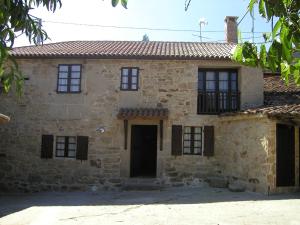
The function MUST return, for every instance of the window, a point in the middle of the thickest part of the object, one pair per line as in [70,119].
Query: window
[66,146]
[192,141]
[69,79]
[129,78]
[217,91]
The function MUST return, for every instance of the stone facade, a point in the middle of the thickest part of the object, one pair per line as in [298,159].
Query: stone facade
[244,146]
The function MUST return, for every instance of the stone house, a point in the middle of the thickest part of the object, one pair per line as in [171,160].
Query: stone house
[104,113]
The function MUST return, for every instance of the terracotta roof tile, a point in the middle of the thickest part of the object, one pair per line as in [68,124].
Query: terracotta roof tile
[143,113]
[280,99]
[128,49]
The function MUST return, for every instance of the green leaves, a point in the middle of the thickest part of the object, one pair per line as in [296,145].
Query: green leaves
[251,5]
[124,3]
[116,2]
[285,41]
[261,8]
[263,56]
[15,18]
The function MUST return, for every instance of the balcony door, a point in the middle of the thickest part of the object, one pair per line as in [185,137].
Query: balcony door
[217,91]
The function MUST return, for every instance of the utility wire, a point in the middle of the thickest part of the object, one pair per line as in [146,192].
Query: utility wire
[139,28]
[243,17]
[187,4]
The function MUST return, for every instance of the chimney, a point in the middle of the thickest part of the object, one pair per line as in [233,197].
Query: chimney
[231,29]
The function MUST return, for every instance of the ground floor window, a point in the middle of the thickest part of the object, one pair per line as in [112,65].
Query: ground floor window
[66,146]
[192,141]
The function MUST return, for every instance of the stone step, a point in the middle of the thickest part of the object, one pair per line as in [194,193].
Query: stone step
[141,184]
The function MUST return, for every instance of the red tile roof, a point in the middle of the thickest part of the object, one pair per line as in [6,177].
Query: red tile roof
[280,99]
[143,113]
[128,49]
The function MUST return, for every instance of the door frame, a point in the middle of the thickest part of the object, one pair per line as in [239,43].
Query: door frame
[130,149]
[293,155]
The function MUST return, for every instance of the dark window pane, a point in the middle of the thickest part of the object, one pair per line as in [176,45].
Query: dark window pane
[74,88]
[64,68]
[75,68]
[125,72]
[210,85]
[63,75]
[75,75]
[223,76]
[233,76]
[201,81]
[125,86]
[71,154]
[186,151]
[63,81]
[134,72]
[75,81]
[60,153]
[134,80]
[62,88]
[233,85]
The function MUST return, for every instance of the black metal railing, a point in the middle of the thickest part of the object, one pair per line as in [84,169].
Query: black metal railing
[215,102]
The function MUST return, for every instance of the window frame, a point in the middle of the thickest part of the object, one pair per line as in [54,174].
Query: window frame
[129,83]
[192,140]
[69,78]
[66,147]
[216,74]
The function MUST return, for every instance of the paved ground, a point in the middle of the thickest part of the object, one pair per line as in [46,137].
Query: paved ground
[173,206]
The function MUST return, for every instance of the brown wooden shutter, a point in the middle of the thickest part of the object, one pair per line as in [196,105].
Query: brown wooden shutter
[209,140]
[176,140]
[82,147]
[47,146]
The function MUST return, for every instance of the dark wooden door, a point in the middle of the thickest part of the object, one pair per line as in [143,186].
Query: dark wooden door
[285,155]
[143,151]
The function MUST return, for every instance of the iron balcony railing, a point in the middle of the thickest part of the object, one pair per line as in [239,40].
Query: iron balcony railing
[215,102]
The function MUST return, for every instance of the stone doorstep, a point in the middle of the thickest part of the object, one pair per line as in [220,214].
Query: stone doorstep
[142,184]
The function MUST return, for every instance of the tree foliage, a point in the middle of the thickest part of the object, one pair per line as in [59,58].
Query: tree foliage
[281,48]
[16,20]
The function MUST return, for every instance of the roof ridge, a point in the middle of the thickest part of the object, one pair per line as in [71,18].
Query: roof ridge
[128,49]
[127,41]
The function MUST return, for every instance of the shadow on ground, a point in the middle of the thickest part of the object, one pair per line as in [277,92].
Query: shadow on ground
[11,203]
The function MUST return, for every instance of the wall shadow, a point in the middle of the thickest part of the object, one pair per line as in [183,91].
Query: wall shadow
[11,203]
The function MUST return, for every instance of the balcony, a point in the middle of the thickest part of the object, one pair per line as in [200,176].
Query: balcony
[216,102]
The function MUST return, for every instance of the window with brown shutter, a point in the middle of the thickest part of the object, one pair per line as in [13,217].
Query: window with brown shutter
[65,146]
[192,141]
[47,146]
[176,140]
[82,147]
[209,141]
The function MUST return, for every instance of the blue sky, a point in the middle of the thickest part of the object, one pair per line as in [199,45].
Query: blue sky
[145,13]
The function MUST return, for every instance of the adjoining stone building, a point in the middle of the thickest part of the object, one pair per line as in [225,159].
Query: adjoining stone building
[101,113]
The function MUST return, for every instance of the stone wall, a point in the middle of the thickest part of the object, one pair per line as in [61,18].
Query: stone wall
[170,84]
[245,144]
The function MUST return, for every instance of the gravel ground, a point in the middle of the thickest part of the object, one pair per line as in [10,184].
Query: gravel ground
[176,206]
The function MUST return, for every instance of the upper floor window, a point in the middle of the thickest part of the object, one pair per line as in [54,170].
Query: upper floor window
[129,78]
[217,91]
[69,78]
